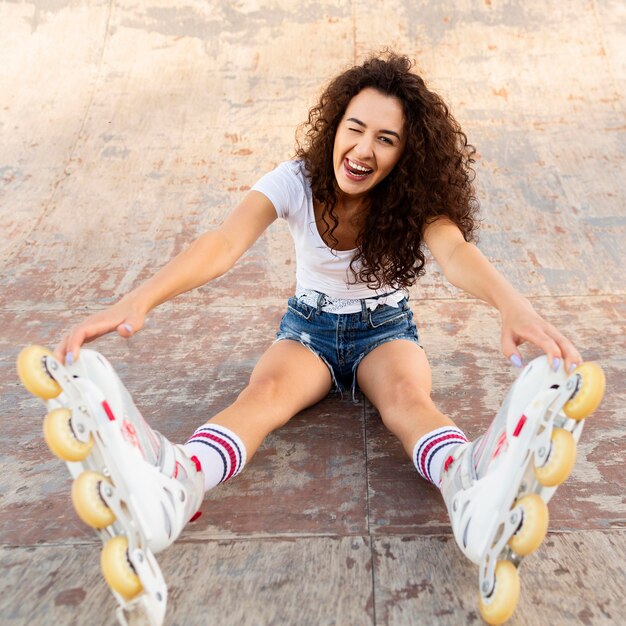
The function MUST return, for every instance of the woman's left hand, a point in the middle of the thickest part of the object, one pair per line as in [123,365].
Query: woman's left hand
[521,323]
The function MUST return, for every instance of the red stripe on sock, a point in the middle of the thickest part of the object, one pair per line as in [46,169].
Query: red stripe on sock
[232,455]
[432,444]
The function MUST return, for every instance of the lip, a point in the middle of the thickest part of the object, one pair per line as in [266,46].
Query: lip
[352,177]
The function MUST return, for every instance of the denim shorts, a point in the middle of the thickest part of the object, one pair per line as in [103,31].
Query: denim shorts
[343,340]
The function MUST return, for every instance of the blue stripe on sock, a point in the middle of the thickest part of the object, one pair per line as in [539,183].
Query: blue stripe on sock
[216,431]
[434,436]
[432,453]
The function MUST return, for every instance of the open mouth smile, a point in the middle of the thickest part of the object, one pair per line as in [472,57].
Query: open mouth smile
[355,171]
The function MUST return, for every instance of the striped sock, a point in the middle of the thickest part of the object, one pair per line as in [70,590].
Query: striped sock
[220,452]
[432,450]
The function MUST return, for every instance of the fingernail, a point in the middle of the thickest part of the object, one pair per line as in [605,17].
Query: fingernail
[128,327]
[572,367]
[69,358]
[515,359]
[555,363]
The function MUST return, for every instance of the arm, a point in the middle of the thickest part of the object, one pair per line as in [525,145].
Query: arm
[464,265]
[209,256]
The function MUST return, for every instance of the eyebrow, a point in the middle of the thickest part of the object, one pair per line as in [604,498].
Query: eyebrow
[360,123]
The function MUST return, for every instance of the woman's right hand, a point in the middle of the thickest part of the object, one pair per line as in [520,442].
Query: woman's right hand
[126,317]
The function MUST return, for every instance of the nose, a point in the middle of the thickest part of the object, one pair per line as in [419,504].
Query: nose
[364,147]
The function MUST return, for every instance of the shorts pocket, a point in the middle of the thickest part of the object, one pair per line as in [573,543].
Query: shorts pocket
[300,308]
[386,314]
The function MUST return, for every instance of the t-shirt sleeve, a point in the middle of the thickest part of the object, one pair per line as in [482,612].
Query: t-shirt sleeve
[283,187]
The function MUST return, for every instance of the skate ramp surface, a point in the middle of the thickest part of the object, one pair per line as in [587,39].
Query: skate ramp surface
[129,128]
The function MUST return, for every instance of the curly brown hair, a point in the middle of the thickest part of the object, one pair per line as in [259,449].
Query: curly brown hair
[433,177]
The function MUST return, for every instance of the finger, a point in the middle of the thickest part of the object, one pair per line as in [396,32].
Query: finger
[131,325]
[85,333]
[125,330]
[75,340]
[571,356]
[510,343]
[60,350]
[551,348]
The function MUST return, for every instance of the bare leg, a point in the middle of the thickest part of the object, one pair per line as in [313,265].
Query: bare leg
[287,379]
[397,380]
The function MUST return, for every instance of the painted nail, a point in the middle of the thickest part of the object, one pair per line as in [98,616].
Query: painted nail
[128,327]
[69,358]
[555,363]
[572,367]
[515,359]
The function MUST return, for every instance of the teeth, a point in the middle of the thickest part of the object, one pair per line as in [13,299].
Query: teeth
[357,167]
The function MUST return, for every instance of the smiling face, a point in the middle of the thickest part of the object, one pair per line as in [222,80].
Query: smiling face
[369,142]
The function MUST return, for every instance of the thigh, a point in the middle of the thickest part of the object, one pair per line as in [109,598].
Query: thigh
[287,379]
[294,375]
[394,370]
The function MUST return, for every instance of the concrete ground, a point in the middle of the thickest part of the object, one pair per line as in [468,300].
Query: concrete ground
[130,127]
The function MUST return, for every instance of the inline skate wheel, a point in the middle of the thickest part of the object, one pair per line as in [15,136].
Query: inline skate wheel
[561,459]
[589,395]
[88,502]
[117,568]
[31,368]
[500,605]
[534,527]
[60,437]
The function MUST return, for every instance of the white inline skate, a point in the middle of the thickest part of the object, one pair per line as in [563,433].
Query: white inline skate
[496,488]
[135,488]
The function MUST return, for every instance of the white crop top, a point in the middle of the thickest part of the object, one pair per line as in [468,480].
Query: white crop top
[318,267]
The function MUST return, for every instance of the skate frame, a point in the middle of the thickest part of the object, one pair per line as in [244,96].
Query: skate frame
[149,606]
[545,421]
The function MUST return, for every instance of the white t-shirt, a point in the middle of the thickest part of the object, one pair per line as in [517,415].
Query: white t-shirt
[318,267]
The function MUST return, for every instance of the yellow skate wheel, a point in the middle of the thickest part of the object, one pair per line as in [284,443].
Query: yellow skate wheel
[499,606]
[589,396]
[534,525]
[561,459]
[88,502]
[117,569]
[58,433]
[34,375]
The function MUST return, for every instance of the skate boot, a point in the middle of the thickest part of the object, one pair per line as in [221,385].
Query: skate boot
[135,488]
[496,488]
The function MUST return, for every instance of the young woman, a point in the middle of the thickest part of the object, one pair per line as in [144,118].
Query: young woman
[384,172]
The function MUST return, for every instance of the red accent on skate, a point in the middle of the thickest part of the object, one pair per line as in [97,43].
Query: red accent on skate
[196,462]
[432,444]
[501,445]
[448,462]
[520,425]
[196,516]
[130,435]
[107,410]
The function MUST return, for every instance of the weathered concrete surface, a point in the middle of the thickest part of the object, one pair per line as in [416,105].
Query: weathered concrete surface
[130,127]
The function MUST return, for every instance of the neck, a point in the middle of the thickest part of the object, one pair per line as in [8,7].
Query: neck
[351,206]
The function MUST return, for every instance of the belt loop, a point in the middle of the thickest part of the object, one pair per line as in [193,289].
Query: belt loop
[363,311]
[320,302]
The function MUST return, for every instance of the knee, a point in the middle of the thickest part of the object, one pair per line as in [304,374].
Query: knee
[263,396]
[404,403]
